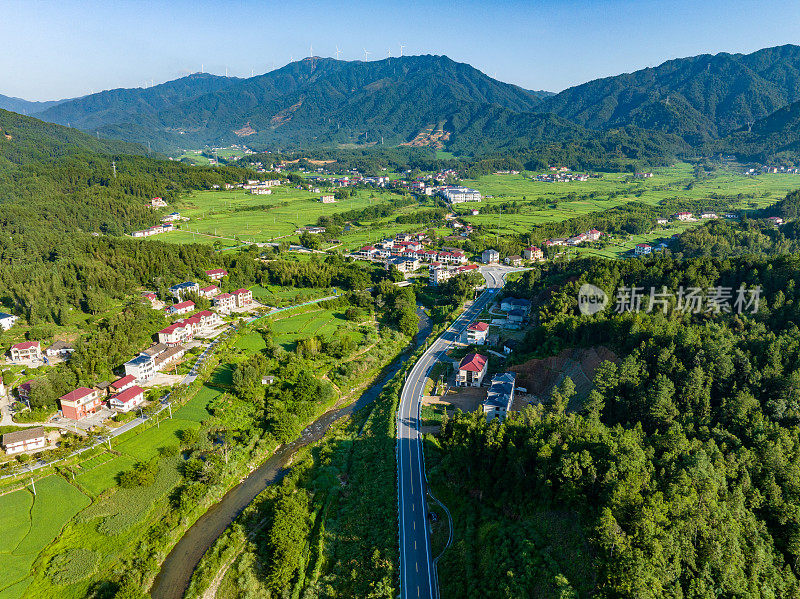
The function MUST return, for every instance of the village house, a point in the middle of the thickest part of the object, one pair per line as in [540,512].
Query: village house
[26,351]
[533,253]
[244,297]
[642,249]
[152,299]
[142,368]
[683,216]
[7,321]
[128,399]
[122,383]
[29,439]
[224,302]
[708,215]
[181,289]
[775,220]
[215,274]
[404,265]
[500,396]
[513,260]
[556,241]
[60,349]
[209,292]
[490,256]
[367,251]
[515,303]
[80,403]
[515,318]
[471,370]
[477,333]
[158,203]
[661,221]
[328,199]
[180,308]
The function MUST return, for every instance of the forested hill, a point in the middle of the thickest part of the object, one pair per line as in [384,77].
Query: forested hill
[25,106]
[314,101]
[24,140]
[119,105]
[62,214]
[774,138]
[700,98]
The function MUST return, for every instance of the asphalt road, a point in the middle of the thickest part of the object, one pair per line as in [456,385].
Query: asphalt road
[417,571]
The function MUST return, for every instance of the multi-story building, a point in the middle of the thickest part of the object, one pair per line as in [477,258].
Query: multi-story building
[477,333]
[80,403]
[27,351]
[490,256]
[458,194]
[533,253]
[471,370]
[127,399]
[500,396]
[215,274]
[7,321]
[244,297]
[224,302]
[181,289]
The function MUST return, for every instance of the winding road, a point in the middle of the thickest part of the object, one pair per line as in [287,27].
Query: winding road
[417,571]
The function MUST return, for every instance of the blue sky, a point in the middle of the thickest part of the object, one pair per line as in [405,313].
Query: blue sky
[64,48]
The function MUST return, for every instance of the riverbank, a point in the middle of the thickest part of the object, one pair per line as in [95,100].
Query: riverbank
[177,569]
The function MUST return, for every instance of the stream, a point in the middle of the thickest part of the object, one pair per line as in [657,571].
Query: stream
[176,571]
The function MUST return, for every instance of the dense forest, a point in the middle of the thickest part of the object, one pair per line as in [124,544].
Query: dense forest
[676,476]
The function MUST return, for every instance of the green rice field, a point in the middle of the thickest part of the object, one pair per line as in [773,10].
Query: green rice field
[673,183]
[29,523]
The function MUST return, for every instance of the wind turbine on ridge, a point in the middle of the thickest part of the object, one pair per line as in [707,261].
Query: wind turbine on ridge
[338,52]
[366,54]
[401,49]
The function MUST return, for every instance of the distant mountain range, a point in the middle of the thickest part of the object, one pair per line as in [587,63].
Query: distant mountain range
[25,106]
[699,98]
[433,101]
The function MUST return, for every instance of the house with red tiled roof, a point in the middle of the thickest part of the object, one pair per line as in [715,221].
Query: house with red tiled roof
[215,274]
[477,333]
[244,297]
[209,292]
[533,253]
[27,351]
[128,399]
[80,403]
[121,384]
[180,308]
[471,370]
[224,302]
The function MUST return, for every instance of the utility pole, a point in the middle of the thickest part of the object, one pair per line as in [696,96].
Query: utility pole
[33,486]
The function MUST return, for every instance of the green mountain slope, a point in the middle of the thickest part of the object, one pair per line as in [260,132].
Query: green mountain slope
[774,138]
[699,98]
[119,105]
[314,101]
[25,106]
[24,140]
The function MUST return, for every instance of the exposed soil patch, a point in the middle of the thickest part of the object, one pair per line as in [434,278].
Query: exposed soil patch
[540,376]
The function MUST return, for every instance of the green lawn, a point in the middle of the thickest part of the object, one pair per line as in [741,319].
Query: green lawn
[275,295]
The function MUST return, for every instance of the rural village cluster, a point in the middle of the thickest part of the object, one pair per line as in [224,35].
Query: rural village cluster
[84,409]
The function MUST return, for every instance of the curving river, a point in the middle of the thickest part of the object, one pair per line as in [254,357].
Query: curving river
[176,571]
